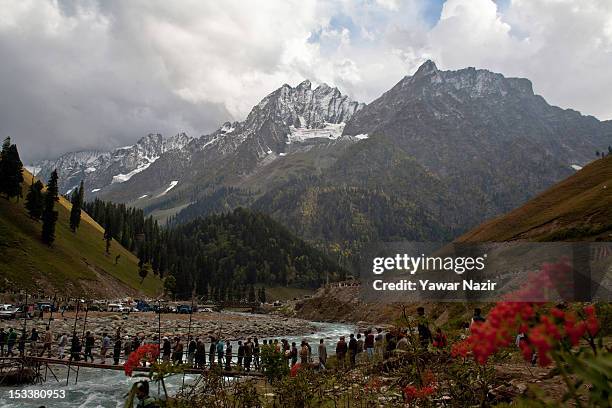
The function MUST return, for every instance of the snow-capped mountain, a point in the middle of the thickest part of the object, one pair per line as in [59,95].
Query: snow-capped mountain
[99,169]
[285,116]
[433,156]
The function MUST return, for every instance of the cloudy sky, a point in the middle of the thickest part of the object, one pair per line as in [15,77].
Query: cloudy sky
[100,74]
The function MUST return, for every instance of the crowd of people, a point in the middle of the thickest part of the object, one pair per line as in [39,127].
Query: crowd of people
[200,352]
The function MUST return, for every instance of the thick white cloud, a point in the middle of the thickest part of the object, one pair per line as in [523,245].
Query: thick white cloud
[82,74]
[564,47]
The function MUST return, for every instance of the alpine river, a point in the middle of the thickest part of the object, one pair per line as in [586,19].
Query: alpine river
[108,388]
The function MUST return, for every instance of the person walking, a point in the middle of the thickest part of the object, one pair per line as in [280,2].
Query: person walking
[341,349]
[200,354]
[191,350]
[47,341]
[248,354]
[379,341]
[177,357]
[61,345]
[294,354]
[89,344]
[228,356]
[11,339]
[127,348]
[304,354]
[352,346]
[220,349]
[22,343]
[369,344]
[3,337]
[135,343]
[106,343]
[240,354]
[322,355]
[166,349]
[117,350]
[75,348]
[34,337]
[211,351]
[477,317]
[256,351]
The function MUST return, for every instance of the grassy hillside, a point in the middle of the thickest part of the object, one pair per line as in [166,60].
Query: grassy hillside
[578,208]
[75,265]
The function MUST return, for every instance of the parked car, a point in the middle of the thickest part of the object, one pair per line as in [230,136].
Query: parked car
[116,307]
[12,312]
[7,311]
[184,309]
[45,307]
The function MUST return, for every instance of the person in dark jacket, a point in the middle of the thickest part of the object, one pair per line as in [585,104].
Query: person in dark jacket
[75,348]
[228,356]
[89,344]
[341,349]
[200,354]
[212,349]
[117,351]
[240,354]
[352,346]
[191,350]
[294,354]
[3,338]
[166,349]
[11,339]
[248,354]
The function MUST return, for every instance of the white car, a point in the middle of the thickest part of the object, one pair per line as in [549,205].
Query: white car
[115,307]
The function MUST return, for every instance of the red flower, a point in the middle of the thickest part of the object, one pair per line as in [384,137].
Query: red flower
[412,393]
[147,352]
[296,367]
[543,329]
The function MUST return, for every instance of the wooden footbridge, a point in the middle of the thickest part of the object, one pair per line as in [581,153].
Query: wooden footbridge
[32,369]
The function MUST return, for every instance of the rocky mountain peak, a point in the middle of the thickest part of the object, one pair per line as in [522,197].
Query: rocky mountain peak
[303,107]
[427,68]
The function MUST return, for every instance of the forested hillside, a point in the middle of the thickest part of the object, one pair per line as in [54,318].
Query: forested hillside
[220,256]
[75,264]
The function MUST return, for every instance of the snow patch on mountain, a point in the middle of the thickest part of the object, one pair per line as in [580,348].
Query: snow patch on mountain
[95,190]
[71,189]
[328,131]
[170,187]
[122,178]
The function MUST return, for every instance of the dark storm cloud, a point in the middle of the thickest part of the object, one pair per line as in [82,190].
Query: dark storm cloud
[77,87]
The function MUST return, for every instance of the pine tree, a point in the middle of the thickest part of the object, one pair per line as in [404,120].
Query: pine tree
[77,203]
[11,170]
[251,294]
[49,215]
[35,200]
[108,234]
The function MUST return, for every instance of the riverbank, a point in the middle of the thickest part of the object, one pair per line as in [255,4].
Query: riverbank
[227,325]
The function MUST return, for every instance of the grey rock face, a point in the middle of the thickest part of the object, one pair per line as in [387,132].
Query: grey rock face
[100,169]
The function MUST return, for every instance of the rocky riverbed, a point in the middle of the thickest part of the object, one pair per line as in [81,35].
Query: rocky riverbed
[228,325]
